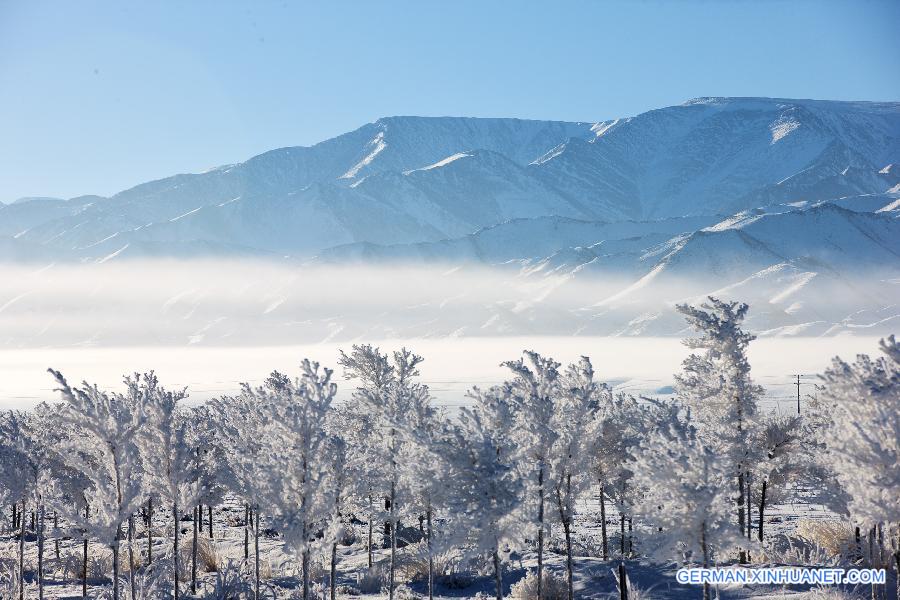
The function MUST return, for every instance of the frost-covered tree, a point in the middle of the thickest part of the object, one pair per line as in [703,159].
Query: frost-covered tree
[241,429]
[38,439]
[862,438]
[616,432]
[297,486]
[19,475]
[387,396]
[686,496]
[488,489]
[569,470]
[33,472]
[717,386]
[534,389]
[355,426]
[174,462]
[425,468]
[103,443]
[781,463]
[373,372]
[335,488]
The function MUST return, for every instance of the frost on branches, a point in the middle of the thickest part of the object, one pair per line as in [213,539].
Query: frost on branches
[862,436]
[686,497]
[716,386]
[688,476]
[104,444]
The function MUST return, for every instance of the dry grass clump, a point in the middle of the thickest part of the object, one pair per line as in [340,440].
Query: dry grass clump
[836,538]
[412,565]
[208,558]
[99,564]
[829,593]
[553,587]
[373,579]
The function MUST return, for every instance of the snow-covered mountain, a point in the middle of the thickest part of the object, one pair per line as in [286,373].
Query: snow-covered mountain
[418,179]
[721,155]
[791,203]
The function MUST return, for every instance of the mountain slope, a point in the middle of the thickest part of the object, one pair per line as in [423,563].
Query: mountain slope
[405,180]
[720,155]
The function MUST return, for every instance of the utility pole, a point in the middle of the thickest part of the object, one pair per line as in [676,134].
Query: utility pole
[798,394]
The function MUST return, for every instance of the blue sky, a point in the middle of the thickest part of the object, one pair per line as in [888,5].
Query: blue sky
[99,96]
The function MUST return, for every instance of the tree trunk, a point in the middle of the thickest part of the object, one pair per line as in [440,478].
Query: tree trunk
[209,510]
[630,537]
[498,575]
[150,530]
[304,562]
[568,533]
[175,556]
[872,560]
[762,508]
[369,545]
[622,534]
[872,547]
[333,570]
[705,558]
[197,514]
[749,507]
[603,523]
[386,535]
[897,564]
[565,519]
[742,557]
[880,527]
[623,582]
[430,557]
[256,551]
[540,565]
[393,543]
[84,564]
[40,549]
[246,532]
[84,571]
[56,529]
[115,550]
[22,552]
[131,556]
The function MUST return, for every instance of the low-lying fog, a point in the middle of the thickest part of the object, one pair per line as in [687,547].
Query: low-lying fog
[209,325]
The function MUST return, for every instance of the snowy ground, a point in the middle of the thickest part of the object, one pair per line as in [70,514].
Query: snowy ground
[594,577]
[452,366]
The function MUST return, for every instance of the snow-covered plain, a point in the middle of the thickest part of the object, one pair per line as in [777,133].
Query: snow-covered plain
[595,578]
[635,365]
